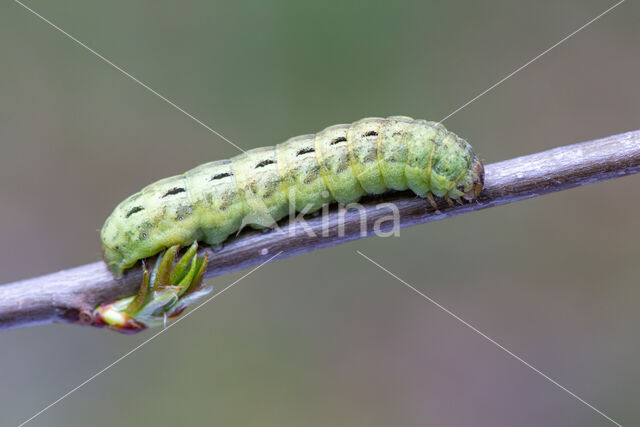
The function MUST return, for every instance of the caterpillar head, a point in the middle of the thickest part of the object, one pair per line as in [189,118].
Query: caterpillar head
[477,180]
[469,185]
[457,174]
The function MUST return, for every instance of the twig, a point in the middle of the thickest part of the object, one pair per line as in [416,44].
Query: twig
[70,295]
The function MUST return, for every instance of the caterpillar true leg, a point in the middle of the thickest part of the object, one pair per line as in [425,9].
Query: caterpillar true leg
[165,292]
[432,202]
[449,201]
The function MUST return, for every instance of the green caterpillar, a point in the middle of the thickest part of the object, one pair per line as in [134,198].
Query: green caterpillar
[341,164]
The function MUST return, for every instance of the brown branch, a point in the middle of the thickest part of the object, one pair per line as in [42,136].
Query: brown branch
[70,295]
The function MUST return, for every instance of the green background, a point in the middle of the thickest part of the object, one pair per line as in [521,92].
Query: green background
[327,338]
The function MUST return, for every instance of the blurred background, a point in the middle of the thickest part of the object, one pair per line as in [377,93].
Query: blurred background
[327,338]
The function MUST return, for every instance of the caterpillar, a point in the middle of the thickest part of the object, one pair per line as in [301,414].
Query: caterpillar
[341,163]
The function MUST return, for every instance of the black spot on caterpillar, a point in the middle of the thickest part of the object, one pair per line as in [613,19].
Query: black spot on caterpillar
[134,210]
[305,151]
[209,203]
[220,176]
[173,191]
[265,163]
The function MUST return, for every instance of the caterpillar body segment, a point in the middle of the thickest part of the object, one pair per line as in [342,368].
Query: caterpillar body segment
[341,164]
[334,162]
